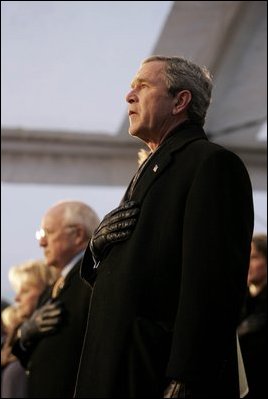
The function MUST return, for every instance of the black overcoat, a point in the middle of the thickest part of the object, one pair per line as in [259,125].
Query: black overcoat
[166,302]
[52,363]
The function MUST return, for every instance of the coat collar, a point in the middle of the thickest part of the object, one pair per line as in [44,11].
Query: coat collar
[178,138]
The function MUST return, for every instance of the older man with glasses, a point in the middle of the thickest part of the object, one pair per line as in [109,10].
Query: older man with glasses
[50,342]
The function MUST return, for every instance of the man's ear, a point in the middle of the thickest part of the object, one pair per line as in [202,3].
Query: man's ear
[181,101]
[80,234]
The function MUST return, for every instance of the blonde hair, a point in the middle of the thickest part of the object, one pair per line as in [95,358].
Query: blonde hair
[11,317]
[32,272]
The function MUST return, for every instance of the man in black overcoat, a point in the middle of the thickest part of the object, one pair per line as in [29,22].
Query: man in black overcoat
[168,294]
[50,353]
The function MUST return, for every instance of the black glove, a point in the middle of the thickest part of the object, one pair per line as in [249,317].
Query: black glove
[44,320]
[116,226]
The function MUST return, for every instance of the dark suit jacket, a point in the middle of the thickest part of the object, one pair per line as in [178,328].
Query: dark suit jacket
[52,363]
[166,302]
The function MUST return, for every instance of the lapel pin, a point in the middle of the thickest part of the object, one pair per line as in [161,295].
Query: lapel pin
[155,167]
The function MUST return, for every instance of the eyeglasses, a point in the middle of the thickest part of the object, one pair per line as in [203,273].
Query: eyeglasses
[44,233]
[39,234]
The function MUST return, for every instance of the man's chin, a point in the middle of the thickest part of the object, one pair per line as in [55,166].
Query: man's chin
[49,263]
[132,132]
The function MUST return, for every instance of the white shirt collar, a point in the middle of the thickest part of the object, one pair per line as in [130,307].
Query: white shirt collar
[71,264]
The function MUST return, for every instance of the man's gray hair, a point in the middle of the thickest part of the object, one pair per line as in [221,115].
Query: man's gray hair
[77,212]
[182,74]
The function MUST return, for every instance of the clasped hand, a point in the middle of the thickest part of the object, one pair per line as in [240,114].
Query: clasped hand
[44,320]
[115,227]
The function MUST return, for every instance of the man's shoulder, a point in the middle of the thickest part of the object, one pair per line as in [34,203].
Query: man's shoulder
[207,149]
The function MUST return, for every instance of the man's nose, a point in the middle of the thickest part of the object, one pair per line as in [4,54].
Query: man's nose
[17,297]
[131,96]
[42,241]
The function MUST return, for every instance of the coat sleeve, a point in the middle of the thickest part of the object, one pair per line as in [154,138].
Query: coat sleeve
[22,353]
[217,234]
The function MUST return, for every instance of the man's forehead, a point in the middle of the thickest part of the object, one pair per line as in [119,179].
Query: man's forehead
[148,67]
[52,216]
[148,72]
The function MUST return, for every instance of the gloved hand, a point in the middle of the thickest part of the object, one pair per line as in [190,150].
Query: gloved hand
[116,226]
[45,319]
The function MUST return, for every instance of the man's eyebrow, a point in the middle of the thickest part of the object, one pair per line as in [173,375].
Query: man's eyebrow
[137,81]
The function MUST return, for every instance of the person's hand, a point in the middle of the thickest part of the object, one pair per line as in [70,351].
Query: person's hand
[44,320]
[6,356]
[116,226]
